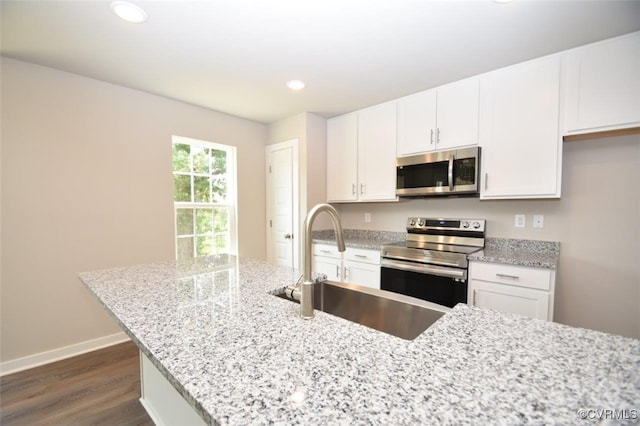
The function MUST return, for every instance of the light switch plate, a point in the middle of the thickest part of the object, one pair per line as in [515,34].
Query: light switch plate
[520,221]
[538,221]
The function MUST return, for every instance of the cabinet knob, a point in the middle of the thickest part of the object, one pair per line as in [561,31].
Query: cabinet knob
[288,236]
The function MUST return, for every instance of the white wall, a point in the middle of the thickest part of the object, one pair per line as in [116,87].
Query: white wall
[87,184]
[597,222]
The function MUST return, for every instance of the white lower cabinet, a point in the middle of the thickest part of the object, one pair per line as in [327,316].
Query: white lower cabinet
[162,401]
[515,289]
[354,266]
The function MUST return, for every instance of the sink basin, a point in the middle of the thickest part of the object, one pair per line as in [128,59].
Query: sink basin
[396,314]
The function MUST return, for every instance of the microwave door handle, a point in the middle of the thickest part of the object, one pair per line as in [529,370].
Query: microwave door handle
[451,158]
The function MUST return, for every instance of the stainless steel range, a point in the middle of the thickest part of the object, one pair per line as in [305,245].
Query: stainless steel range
[432,263]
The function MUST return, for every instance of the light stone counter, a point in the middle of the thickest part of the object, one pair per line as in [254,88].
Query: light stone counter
[359,238]
[532,253]
[237,354]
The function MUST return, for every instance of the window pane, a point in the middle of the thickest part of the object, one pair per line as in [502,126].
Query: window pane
[201,191]
[200,160]
[185,248]
[181,157]
[218,162]
[181,188]
[220,220]
[221,243]
[204,221]
[204,246]
[219,188]
[184,221]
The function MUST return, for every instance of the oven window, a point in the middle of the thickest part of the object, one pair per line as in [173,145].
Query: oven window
[432,288]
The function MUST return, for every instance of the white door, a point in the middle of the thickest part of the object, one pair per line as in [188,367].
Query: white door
[282,203]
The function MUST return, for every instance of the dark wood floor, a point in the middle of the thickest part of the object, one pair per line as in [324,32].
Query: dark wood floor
[97,388]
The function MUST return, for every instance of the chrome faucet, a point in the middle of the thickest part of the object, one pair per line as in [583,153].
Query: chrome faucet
[306,288]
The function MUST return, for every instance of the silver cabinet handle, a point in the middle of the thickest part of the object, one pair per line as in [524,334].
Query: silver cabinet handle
[473,299]
[288,236]
[325,251]
[360,256]
[486,178]
[337,272]
[346,274]
[353,189]
[431,136]
[437,135]
[362,189]
[513,277]
[450,171]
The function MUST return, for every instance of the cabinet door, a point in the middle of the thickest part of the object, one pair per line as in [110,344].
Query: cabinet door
[519,135]
[331,267]
[457,116]
[377,152]
[342,158]
[416,123]
[364,274]
[515,300]
[603,85]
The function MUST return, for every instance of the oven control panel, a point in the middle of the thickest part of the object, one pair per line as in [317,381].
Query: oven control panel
[423,223]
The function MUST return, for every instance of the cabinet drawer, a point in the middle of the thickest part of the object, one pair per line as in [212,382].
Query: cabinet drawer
[326,250]
[519,276]
[362,255]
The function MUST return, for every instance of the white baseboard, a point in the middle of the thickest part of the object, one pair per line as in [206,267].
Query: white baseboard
[58,354]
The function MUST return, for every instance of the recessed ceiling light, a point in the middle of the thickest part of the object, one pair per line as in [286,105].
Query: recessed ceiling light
[295,84]
[129,12]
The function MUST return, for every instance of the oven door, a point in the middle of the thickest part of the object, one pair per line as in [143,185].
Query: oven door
[436,284]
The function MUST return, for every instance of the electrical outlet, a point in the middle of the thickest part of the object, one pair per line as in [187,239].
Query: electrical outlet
[367,217]
[520,221]
[538,221]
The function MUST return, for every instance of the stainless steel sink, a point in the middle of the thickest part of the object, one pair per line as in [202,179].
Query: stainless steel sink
[392,313]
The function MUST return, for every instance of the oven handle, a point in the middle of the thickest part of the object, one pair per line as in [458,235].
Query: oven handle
[423,269]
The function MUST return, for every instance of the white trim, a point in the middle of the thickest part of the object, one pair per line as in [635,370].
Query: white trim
[58,354]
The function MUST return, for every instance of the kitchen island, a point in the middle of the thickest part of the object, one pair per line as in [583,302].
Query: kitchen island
[239,355]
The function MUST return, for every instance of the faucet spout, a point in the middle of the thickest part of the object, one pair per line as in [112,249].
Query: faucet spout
[306,288]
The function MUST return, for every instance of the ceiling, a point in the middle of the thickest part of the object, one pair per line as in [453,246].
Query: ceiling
[235,56]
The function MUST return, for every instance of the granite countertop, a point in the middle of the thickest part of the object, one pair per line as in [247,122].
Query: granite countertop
[238,354]
[359,238]
[533,253]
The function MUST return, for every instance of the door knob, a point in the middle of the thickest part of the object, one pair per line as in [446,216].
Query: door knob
[288,236]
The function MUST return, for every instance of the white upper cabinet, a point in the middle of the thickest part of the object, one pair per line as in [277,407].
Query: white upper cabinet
[441,118]
[377,153]
[342,158]
[602,86]
[519,130]
[361,150]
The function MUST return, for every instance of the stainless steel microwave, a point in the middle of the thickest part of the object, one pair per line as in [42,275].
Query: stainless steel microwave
[453,172]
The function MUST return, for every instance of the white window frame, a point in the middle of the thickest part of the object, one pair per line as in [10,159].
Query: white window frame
[232,196]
